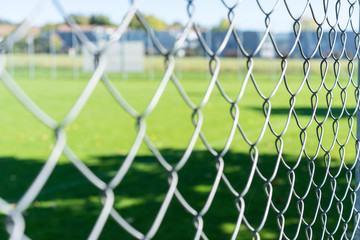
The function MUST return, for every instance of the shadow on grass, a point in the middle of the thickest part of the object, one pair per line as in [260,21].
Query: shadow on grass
[69,205]
[307,111]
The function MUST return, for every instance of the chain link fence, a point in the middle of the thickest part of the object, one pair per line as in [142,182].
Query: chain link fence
[315,190]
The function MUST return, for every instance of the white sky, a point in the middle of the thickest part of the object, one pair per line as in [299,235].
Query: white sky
[208,12]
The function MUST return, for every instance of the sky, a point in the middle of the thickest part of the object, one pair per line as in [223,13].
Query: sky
[208,13]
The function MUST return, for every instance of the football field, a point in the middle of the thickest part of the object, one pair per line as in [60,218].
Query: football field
[103,133]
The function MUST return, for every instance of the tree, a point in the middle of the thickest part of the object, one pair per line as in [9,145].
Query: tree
[93,20]
[49,27]
[155,23]
[223,25]
[99,20]
[5,22]
[42,42]
[308,24]
[81,19]
[20,46]
[176,25]
[135,24]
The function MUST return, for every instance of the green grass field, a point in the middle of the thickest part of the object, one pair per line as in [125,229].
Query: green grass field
[103,133]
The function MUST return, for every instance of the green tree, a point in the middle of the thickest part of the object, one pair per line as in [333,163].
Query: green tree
[308,24]
[156,23]
[222,26]
[42,42]
[21,46]
[99,20]
[135,24]
[49,26]
[81,19]
[5,22]
[176,25]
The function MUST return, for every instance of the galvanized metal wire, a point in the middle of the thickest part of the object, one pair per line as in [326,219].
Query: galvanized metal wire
[346,203]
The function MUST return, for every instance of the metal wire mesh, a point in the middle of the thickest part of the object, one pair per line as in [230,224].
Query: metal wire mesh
[331,129]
